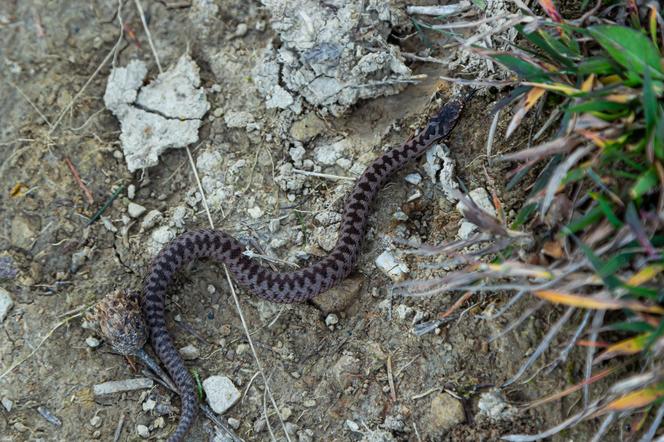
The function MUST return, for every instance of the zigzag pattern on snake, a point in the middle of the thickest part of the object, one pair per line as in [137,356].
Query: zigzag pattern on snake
[282,287]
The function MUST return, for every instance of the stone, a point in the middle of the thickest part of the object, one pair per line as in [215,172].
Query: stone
[233,423]
[149,405]
[143,431]
[378,436]
[331,320]
[190,352]
[24,230]
[307,127]
[96,421]
[151,219]
[392,266]
[493,406]
[135,210]
[413,178]
[6,304]
[120,386]
[92,342]
[221,393]
[7,403]
[445,412]
[339,298]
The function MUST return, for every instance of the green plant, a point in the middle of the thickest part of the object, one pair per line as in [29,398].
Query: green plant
[595,212]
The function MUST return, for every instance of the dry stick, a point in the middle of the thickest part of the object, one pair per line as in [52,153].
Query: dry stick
[118,429]
[390,379]
[78,180]
[94,74]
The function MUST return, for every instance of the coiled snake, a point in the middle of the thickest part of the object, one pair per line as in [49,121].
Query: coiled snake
[282,287]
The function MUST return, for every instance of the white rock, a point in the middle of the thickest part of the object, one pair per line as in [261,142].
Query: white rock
[279,98]
[481,197]
[403,311]
[143,431]
[331,319]
[438,159]
[151,219]
[329,154]
[413,178]
[135,210]
[7,403]
[159,238]
[297,153]
[494,406]
[352,426]
[6,304]
[131,191]
[221,393]
[170,110]
[190,352]
[255,212]
[233,423]
[466,229]
[391,266]
[108,224]
[238,119]
[120,386]
[149,405]
[92,342]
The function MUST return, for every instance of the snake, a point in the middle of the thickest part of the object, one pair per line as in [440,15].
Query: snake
[280,287]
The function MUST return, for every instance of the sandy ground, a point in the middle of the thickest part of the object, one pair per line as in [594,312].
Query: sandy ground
[367,376]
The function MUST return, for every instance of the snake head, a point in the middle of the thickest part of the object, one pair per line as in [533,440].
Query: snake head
[118,317]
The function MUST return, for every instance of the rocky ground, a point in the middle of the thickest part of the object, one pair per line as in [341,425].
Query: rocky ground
[283,105]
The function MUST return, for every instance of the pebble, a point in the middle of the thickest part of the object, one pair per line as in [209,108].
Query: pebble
[403,311]
[149,405]
[493,405]
[241,349]
[7,403]
[190,352]
[95,421]
[234,423]
[120,386]
[238,119]
[352,426]
[480,197]
[331,320]
[445,412]
[286,413]
[378,436]
[413,178]
[309,403]
[160,422]
[221,393]
[152,218]
[92,342]
[391,266]
[23,231]
[143,431]
[78,259]
[131,191]
[400,215]
[6,304]
[255,212]
[135,210]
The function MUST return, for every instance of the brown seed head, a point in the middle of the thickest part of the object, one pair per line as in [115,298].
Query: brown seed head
[118,318]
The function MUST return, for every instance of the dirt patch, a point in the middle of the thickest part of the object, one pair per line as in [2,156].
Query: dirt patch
[365,374]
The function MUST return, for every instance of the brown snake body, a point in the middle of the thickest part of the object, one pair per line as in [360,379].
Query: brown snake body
[282,287]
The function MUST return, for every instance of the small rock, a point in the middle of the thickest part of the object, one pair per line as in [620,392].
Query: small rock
[149,405]
[493,405]
[403,311]
[143,431]
[255,212]
[7,268]
[233,423]
[95,421]
[413,178]
[24,230]
[307,128]
[221,393]
[339,298]
[286,413]
[92,342]
[352,426]
[120,386]
[445,412]
[378,436]
[6,304]
[7,403]
[480,197]
[131,191]
[190,352]
[152,218]
[391,266]
[160,422]
[108,224]
[135,210]
[394,423]
[242,349]
[331,320]
[400,215]
[309,403]
[238,119]
[305,436]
